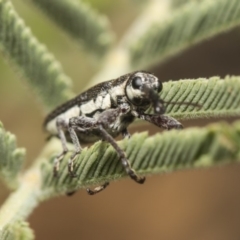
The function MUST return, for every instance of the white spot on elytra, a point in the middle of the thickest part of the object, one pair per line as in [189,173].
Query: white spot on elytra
[72,112]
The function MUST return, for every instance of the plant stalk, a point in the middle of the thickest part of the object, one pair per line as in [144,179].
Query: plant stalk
[21,203]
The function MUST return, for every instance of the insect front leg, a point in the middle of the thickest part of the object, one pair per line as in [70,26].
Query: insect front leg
[61,125]
[105,119]
[162,121]
[122,155]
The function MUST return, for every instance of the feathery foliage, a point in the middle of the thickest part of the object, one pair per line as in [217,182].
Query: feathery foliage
[196,21]
[216,97]
[17,231]
[39,67]
[179,3]
[189,148]
[214,145]
[152,40]
[11,158]
[81,22]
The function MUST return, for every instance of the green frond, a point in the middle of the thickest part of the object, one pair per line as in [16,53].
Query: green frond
[118,60]
[216,97]
[164,152]
[179,3]
[11,158]
[194,22]
[39,67]
[17,231]
[81,22]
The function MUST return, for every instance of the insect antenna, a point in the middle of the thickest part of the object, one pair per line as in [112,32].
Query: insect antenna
[183,103]
[158,104]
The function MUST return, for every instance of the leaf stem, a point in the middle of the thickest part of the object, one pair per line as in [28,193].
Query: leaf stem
[21,203]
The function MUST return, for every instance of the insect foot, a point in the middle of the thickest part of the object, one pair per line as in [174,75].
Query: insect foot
[71,166]
[97,189]
[131,172]
[57,161]
[122,156]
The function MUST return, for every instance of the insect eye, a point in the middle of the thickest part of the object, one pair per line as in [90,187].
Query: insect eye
[160,87]
[136,82]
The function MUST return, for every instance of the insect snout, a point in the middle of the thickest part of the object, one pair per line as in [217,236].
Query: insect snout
[151,93]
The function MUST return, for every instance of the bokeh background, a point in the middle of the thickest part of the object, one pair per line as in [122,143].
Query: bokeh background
[193,204]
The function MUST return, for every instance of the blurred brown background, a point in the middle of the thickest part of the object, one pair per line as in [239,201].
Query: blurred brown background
[200,204]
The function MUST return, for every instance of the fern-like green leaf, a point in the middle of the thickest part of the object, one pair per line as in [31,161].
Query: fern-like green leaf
[81,22]
[163,152]
[11,158]
[216,97]
[17,231]
[39,67]
[179,3]
[196,21]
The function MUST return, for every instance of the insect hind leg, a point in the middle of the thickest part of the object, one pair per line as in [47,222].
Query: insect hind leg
[97,189]
[61,125]
[91,191]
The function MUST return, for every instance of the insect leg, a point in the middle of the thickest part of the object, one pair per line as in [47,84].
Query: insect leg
[77,151]
[104,120]
[71,128]
[97,189]
[121,154]
[125,133]
[91,192]
[69,194]
[61,124]
[162,121]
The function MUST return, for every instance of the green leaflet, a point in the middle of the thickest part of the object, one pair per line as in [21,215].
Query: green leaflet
[11,158]
[216,97]
[81,22]
[179,3]
[41,69]
[196,21]
[164,152]
[18,230]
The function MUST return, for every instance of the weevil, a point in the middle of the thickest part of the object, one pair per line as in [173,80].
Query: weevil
[105,111]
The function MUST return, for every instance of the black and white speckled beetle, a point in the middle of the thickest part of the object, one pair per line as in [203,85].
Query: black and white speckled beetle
[103,112]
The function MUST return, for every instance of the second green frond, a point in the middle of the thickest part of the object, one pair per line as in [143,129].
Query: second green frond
[11,158]
[214,97]
[194,22]
[164,152]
